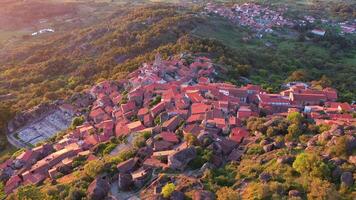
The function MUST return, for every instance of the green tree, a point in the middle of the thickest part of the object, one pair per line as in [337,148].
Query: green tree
[295,118]
[294,131]
[168,189]
[309,164]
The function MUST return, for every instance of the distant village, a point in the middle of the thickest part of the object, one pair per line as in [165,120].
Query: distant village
[263,20]
[163,98]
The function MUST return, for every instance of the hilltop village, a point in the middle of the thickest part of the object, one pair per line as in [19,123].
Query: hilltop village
[169,105]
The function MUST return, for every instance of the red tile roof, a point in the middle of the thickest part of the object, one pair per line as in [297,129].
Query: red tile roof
[135,126]
[169,137]
[128,107]
[160,107]
[199,108]
[194,96]
[12,184]
[238,134]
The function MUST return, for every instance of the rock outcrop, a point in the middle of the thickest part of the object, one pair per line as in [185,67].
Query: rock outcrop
[180,159]
[98,189]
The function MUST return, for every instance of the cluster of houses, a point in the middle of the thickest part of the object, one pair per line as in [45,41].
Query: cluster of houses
[263,19]
[166,97]
[254,16]
[346,27]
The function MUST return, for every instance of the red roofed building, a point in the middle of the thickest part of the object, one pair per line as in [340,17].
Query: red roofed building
[12,184]
[238,134]
[169,137]
[148,120]
[6,164]
[333,107]
[172,124]
[244,112]
[157,109]
[345,117]
[142,112]
[34,179]
[121,130]
[28,156]
[107,127]
[194,96]
[99,115]
[196,118]
[331,94]
[135,126]
[199,108]
[130,106]
[307,99]
[203,80]
[273,103]
[192,129]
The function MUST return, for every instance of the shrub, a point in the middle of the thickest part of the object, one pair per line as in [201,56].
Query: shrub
[94,168]
[321,189]
[2,191]
[294,131]
[203,156]
[29,192]
[190,139]
[155,101]
[227,193]
[108,149]
[341,147]
[122,156]
[139,142]
[255,149]
[78,161]
[168,189]
[77,121]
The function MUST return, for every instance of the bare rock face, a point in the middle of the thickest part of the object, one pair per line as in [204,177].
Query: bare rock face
[177,195]
[6,173]
[324,137]
[203,195]
[98,189]
[286,160]
[294,193]
[125,181]
[347,179]
[268,147]
[336,173]
[180,159]
[265,177]
[235,155]
[81,100]
[278,145]
[337,161]
[290,145]
[352,160]
[216,160]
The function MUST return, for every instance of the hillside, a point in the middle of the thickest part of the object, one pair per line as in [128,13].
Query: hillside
[172,130]
[72,47]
